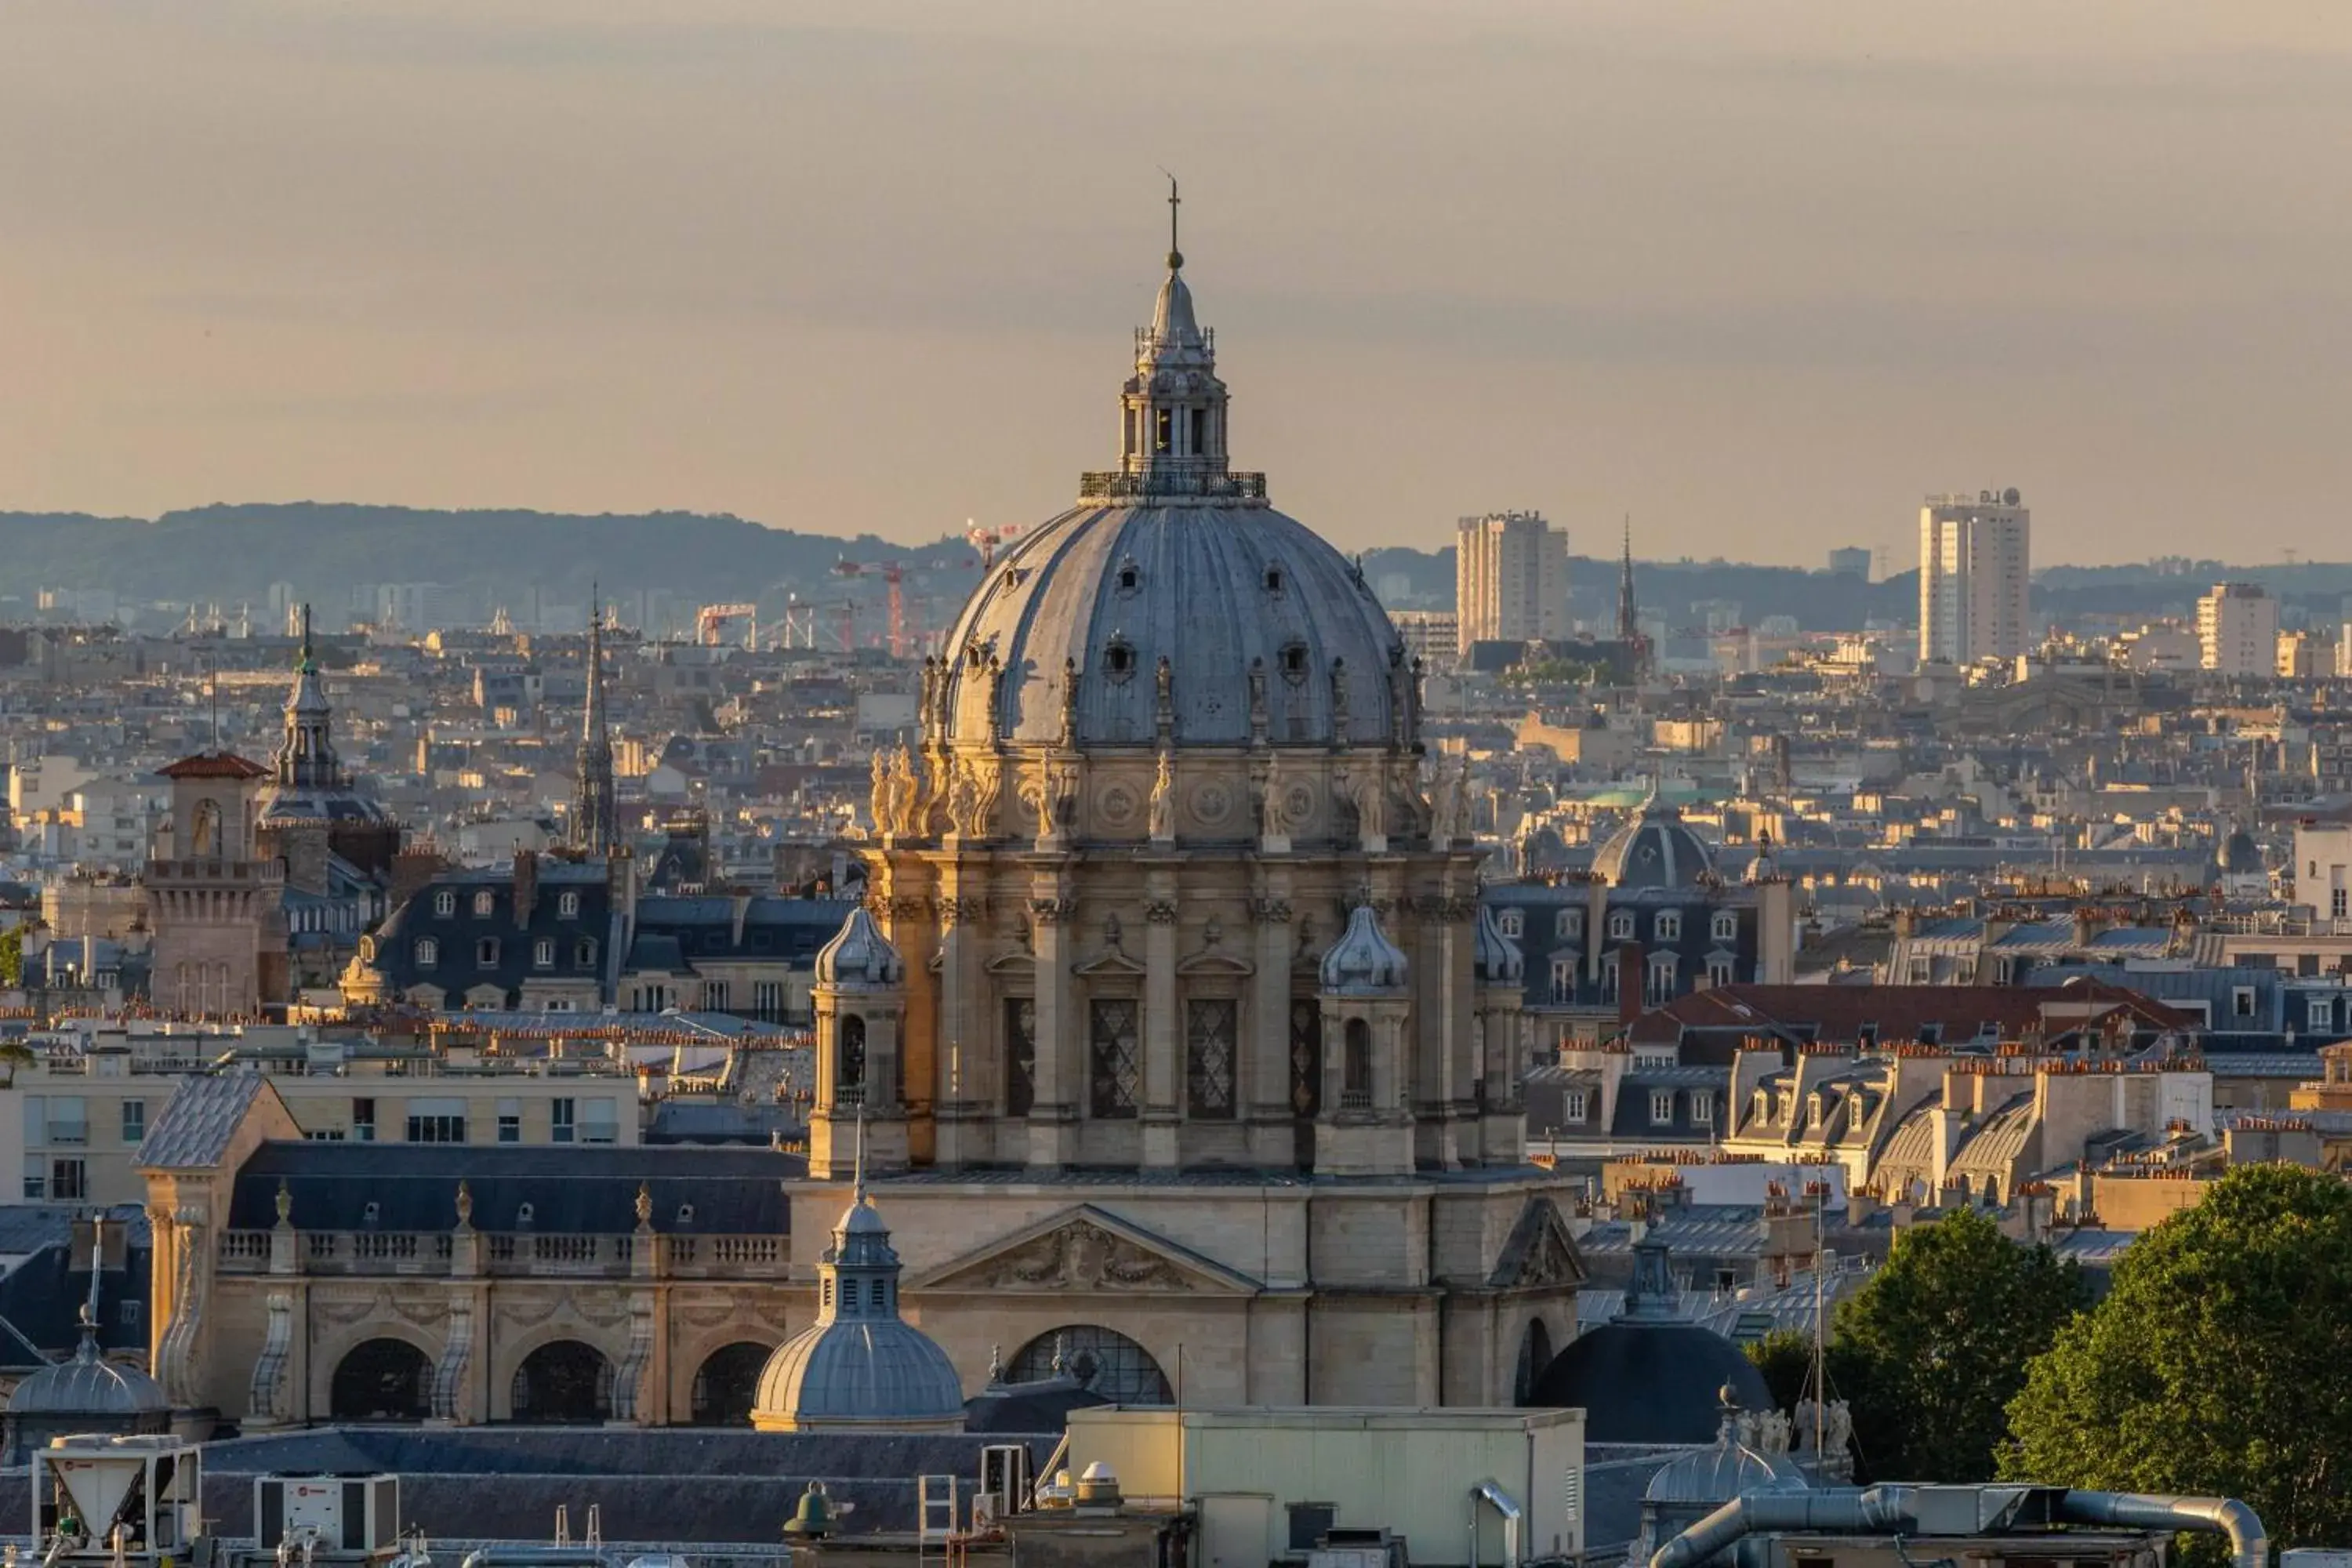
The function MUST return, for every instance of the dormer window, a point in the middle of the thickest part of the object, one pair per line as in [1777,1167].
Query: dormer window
[567,906]
[686,1214]
[370,1212]
[1294,662]
[428,952]
[1511,920]
[1670,927]
[524,1214]
[1727,928]
[1567,923]
[1273,579]
[1129,579]
[1118,660]
[484,903]
[445,903]
[1621,926]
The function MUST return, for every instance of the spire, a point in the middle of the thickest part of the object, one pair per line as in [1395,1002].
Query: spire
[593,824]
[306,758]
[1629,622]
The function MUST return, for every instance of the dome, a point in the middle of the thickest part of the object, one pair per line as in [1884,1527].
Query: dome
[859,1366]
[1234,601]
[88,1385]
[1171,605]
[1363,959]
[1654,850]
[1644,1382]
[1497,960]
[1714,1475]
[859,954]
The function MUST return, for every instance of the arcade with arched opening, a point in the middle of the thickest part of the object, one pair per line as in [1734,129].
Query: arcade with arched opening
[382,1380]
[561,1383]
[726,1385]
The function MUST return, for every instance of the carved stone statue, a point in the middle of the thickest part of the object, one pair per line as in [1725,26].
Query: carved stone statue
[877,800]
[1163,794]
[1458,799]
[905,787]
[1257,709]
[1164,710]
[645,1205]
[1371,803]
[963,800]
[1042,792]
[1069,702]
[1274,818]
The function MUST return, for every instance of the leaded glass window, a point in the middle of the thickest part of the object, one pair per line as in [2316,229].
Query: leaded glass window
[1020,1055]
[1306,1059]
[1210,1028]
[1115,1052]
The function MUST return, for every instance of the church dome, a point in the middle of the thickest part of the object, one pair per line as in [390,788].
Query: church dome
[859,1367]
[1649,1376]
[1363,959]
[1654,850]
[1171,605]
[859,954]
[1712,1475]
[2241,857]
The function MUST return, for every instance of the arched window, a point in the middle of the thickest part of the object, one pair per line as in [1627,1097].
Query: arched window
[849,1067]
[1535,1356]
[1103,1361]
[484,902]
[1669,926]
[445,903]
[565,1382]
[567,906]
[728,1383]
[1512,922]
[1356,1066]
[382,1380]
[1726,927]
[428,952]
[1621,926]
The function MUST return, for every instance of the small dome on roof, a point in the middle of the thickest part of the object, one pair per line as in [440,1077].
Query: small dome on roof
[2241,857]
[87,1384]
[1711,1475]
[1498,959]
[1363,959]
[1654,850]
[859,954]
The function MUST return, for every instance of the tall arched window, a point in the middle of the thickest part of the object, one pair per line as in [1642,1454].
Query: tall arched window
[849,1083]
[1356,1065]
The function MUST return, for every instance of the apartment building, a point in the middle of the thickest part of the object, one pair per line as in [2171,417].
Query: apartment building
[1975,557]
[1510,579]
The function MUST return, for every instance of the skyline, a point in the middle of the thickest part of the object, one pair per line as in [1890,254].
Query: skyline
[1709,269]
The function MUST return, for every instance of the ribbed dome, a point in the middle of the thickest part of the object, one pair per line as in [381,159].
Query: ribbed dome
[1649,1382]
[1716,1475]
[859,1365]
[859,954]
[89,1384]
[1110,591]
[1363,959]
[1498,959]
[1654,850]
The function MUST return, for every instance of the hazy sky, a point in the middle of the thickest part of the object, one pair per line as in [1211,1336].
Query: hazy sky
[1758,273]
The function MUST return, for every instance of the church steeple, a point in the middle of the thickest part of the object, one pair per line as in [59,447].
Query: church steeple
[591,804]
[1629,622]
[1173,409]
[306,758]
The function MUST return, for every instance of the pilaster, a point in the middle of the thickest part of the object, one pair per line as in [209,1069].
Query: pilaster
[1163,1042]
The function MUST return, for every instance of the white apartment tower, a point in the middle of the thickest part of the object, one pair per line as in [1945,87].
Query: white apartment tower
[2237,629]
[1510,579]
[1974,556]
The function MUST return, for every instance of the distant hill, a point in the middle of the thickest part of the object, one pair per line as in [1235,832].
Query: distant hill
[329,550]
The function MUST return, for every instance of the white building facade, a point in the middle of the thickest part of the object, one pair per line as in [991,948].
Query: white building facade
[1510,579]
[2237,630]
[1975,554]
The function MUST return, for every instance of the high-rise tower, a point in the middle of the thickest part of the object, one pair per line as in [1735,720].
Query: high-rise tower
[1975,554]
[592,803]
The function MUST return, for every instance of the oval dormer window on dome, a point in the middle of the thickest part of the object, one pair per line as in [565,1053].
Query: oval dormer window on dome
[686,1214]
[1129,579]
[1294,662]
[1119,659]
[524,1215]
[1273,578]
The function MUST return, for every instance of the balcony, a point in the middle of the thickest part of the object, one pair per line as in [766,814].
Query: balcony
[1117,485]
[503,1255]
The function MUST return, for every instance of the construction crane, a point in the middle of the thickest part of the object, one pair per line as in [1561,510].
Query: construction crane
[986,540]
[893,577]
[710,618]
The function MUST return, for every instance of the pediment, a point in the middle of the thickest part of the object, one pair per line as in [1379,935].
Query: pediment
[1213,961]
[1018,962]
[1109,961]
[1083,1250]
[1540,1253]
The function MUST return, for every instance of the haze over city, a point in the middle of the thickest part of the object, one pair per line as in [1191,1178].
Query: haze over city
[1759,276]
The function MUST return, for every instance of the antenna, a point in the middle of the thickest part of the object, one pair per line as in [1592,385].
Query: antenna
[97,1261]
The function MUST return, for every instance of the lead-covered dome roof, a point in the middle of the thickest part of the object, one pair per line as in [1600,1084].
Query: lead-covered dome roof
[1656,849]
[1217,592]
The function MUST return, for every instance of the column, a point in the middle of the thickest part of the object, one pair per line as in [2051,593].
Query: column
[1163,1037]
[1263,1079]
[1061,1042]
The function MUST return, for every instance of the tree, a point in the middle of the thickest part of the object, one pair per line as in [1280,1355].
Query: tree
[12,956]
[2220,1364]
[1929,1354]
[1785,1357]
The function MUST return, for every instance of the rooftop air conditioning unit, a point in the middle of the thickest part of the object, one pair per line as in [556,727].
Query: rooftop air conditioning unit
[339,1513]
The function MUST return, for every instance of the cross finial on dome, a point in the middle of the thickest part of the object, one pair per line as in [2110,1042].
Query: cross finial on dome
[1175,256]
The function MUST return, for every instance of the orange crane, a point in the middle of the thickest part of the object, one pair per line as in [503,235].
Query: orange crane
[709,619]
[893,577]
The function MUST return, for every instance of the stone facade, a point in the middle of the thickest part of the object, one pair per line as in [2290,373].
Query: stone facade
[220,935]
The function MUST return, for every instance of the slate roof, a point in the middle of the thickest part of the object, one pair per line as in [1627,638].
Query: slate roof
[199,1119]
[572,1189]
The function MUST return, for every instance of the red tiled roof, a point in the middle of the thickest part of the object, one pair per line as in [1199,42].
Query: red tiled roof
[214,766]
